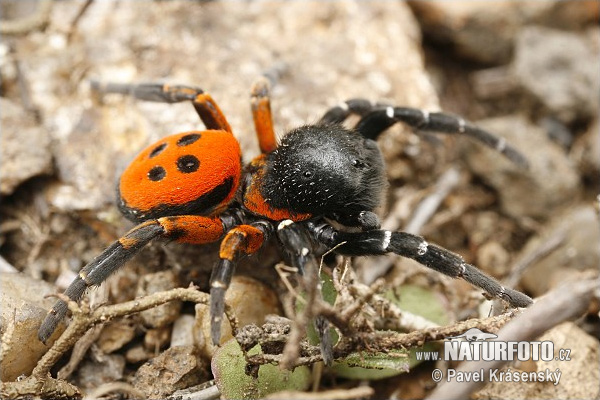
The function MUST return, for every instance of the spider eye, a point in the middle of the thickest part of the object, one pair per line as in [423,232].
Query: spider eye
[358,164]
[307,174]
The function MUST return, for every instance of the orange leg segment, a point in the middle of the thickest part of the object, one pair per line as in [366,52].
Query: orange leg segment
[245,239]
[261,113]
[194,229]
[210,113]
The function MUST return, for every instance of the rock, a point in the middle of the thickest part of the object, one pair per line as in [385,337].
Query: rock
[165,314]
[107,368]
[557,69]
[86,172]
[551,181]
[115,335]
[174,369]
[494,257]
[137,354]
[182,333]
[24,147]
[586,152]
[485,32]
[22,308]
[478,31]
[251,301]
[157,338]
[578,251]
[573,15]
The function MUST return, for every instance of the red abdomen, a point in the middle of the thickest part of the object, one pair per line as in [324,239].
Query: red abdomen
[191,173]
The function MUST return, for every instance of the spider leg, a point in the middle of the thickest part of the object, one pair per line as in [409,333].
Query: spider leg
[186,228]
[376,121]
[376,118]
[365,220]
[297,247]
[261,114]
[339,113]
[378,242]
[207,109]
[241,240]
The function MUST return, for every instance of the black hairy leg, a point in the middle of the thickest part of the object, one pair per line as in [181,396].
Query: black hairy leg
[194,228]
[378,242]
[98,270]
[376,118]
[207,109]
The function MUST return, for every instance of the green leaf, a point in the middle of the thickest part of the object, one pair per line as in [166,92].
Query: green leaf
[228,366]
[327,288]
[329,295]
[372,366]
[420,301]
[410,298]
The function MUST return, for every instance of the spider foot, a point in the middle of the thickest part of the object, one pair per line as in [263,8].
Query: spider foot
[217,310]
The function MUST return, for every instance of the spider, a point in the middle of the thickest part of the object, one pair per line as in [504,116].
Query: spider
[320,184]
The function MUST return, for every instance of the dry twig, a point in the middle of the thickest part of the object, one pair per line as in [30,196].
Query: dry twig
[79,351]
[75,22]
[40,383]
[120,387]
[312,288]
[545,248]
[375,342]
[430,204]
[205,391]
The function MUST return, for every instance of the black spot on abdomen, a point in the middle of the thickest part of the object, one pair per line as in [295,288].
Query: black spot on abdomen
[157,150]
[188,139]
[157,173]
[188,164]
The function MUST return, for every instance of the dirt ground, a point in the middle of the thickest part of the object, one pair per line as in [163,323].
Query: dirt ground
[528,72]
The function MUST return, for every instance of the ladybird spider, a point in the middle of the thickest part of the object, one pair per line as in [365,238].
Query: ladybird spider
[191,187]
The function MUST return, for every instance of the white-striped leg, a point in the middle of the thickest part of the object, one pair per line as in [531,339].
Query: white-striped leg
[377,242]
